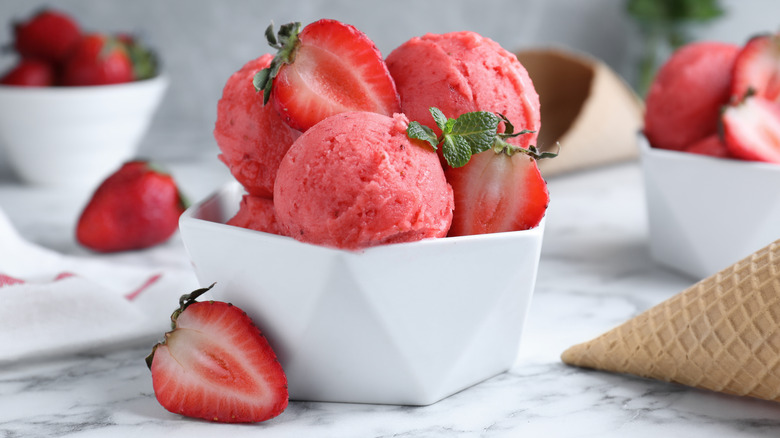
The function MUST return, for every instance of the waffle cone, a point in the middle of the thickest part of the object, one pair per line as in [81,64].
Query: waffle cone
[721,334]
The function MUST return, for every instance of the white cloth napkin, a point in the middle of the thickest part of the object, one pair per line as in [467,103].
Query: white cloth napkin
[55,304]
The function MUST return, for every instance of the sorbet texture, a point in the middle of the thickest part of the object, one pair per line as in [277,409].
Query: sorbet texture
[356,180]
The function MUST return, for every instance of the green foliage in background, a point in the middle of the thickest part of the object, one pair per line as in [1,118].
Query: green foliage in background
[666,24]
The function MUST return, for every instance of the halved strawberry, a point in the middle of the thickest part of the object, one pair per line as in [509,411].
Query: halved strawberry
[327,68]
[751,129]
[216,365]
[497,186]
[495,192]
[757,69]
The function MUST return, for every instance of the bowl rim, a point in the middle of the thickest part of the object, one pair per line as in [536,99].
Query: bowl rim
[646,150]
[189,217]
[160,79]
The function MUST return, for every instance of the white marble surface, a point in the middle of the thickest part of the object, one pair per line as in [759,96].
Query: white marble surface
[595,272]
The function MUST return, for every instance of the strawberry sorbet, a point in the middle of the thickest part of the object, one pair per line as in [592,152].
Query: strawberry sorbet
[460,72]
[685,100]
[252,138]
[355,180]
[256,213]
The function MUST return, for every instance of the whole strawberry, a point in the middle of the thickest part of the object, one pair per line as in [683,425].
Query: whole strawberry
[497,186]
[216,365]
[98,59]
[29,73]
[136,207]
[49,36]
[327,68]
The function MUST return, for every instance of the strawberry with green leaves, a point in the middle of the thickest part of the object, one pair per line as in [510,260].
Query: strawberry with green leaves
[98,59]
[101,59]
[215,364]
[497,186]
[327,68]
[136,207]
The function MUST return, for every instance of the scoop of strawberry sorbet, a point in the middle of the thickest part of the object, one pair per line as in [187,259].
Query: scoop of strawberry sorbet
[355,180]
[252,138]
[685,100]
[256,213]
[460,72]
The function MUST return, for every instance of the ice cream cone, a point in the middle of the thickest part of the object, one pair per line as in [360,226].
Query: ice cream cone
[587,109]
[721,334]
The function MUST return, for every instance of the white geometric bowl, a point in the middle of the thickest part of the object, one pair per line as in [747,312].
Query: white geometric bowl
[407,323]
[706,213]
[75,136]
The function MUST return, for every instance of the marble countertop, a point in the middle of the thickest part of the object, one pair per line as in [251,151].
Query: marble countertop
[595,272]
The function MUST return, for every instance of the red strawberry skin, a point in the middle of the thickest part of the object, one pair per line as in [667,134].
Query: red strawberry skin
[684,102]
[136,207]
[337,68]
[216,365]
[97,60]
[757,69]
[496,193]
[49,35]
[29,73]
[751,130]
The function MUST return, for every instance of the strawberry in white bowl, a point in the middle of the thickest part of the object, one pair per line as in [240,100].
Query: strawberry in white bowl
[341,255]
[711,154]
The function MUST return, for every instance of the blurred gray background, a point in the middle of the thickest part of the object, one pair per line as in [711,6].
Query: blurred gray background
[201,42]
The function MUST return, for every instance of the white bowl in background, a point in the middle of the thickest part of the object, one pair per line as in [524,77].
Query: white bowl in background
[407,323]
[706,213]
[75,136]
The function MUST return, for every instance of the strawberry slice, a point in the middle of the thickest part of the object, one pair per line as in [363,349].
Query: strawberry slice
[752,130]
[327,68]
[216,365]
[495,192]
[757,69]
[497,186]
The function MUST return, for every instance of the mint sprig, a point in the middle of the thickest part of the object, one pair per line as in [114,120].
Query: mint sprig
[472,133]
[286,43]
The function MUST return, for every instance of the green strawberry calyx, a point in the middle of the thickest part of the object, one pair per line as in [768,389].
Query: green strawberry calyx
[286,42]
[472,133]
[184,301]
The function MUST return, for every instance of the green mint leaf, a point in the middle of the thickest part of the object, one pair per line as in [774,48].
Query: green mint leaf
[438,117]
[457,151]
[478,129]
[421,132]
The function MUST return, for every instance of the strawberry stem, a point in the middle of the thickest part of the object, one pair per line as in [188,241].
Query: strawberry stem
[286,43]
[185,301]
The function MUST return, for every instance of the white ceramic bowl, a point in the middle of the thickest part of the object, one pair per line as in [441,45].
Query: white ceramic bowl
[75,136]
[407,323]
[707,213]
